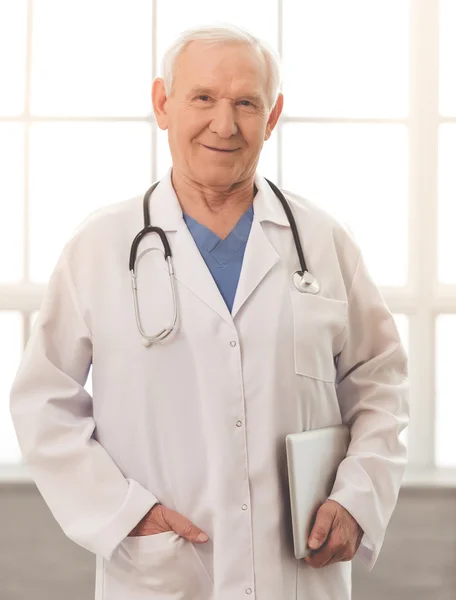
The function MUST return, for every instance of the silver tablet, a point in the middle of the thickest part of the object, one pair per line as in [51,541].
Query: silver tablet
[313,458]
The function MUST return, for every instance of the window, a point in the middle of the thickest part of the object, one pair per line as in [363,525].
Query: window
[368,132]
[367,186]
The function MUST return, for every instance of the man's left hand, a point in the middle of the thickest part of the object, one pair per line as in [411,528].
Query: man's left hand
[335,536]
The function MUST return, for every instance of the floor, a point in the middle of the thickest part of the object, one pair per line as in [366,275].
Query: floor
[418,560]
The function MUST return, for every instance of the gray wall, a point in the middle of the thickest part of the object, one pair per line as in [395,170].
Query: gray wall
[418,560]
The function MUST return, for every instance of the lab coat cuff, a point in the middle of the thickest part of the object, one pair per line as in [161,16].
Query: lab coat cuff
[137,504]
[372,540]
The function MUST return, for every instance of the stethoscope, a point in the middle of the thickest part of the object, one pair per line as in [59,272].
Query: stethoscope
[302,280]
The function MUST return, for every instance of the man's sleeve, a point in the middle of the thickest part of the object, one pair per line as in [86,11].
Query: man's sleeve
[372,389]
[95,505]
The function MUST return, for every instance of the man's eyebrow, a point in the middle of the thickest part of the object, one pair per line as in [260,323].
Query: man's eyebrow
[196,91]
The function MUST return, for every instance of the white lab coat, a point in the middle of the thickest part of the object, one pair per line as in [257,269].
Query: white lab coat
[199,422]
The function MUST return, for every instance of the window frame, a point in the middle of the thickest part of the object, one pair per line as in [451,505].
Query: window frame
[423,298]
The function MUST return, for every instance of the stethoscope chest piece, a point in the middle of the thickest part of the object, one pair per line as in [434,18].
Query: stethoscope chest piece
[305,283]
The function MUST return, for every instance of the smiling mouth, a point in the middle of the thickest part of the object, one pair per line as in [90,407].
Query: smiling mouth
[218,149]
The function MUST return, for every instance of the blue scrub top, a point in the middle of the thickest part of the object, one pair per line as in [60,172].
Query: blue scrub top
[223,257]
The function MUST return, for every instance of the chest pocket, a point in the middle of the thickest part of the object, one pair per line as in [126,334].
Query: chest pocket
[318,330]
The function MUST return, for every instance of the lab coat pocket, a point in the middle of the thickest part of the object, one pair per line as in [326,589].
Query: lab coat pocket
[166,565]
[318,327]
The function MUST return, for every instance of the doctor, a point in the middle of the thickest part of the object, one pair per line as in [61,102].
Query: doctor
[187,435]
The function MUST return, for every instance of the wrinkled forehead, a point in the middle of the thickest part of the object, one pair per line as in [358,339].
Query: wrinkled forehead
[232,67]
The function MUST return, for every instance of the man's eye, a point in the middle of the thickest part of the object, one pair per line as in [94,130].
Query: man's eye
[246,103]
[203,97]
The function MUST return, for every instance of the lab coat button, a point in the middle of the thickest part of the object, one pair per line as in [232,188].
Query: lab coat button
[244,507]
[233,343]
[248,591]
[239,423]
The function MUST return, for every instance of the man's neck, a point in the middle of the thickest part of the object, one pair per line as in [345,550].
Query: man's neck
[218,210]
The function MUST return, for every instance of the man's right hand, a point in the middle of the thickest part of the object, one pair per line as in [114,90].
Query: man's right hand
[160,519]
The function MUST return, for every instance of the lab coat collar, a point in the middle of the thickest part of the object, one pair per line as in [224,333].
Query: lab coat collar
[164,207]
[266,205]
[190,268]
[166,211]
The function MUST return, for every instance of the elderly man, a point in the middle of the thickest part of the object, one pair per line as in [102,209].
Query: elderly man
[184,434]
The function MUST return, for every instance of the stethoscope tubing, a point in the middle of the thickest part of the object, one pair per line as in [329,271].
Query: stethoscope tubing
[302,280]
[150,229]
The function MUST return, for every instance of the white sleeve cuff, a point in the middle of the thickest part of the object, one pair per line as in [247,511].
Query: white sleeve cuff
[109,535]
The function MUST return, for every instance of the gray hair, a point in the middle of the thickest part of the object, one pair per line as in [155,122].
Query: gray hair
[224,33]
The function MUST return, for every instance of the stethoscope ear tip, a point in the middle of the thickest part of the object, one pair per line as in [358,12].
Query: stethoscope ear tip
[146,342]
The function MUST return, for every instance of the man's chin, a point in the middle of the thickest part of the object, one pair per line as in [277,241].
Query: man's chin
[218,174]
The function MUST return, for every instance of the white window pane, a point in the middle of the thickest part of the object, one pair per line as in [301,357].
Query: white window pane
[76,168]
[13,30]
[92,58]
[88,383]
[445,438]
[359,173]
[11,331]
[346,59]
[402,323]
[174,16]
[447,204]
[164,160]
[11,201]
[32,319]
[447,93]
[267,164]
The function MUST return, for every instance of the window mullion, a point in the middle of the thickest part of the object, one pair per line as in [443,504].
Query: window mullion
[26,199]
[280,122]
[154,74]
[423,168]
[27,122]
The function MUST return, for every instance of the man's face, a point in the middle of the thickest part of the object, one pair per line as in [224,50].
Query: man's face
[217,114]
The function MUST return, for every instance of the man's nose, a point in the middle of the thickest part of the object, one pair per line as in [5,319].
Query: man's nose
[223,121]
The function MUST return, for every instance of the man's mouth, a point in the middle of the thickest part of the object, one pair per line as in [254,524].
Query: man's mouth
[219,149]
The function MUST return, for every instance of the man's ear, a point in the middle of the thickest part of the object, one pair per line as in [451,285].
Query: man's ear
[274,116]
[159,99]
